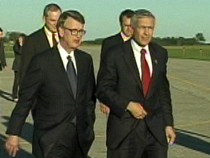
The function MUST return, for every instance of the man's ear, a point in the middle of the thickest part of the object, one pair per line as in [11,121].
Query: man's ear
[61,32]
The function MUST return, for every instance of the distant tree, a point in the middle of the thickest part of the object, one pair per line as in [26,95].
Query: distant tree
[199,37]
[180,41]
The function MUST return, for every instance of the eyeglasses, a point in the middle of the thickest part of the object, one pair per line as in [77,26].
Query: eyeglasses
[75,32]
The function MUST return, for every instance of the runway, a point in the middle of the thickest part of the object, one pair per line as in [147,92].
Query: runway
[190,90]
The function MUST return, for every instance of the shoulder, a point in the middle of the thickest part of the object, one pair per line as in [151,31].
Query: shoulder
[83,54]
[112,38]
[36,34]
[117,50]
[45,55]
[156,46]
[159,51]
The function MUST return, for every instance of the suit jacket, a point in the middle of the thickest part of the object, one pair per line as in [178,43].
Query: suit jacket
[35,43]
[119,83]
[47,82]
[111,42]
[17,49]
[2,55]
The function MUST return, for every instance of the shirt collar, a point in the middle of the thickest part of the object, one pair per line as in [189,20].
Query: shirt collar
[124,37]
[138,48]
[48,32]
[64,53]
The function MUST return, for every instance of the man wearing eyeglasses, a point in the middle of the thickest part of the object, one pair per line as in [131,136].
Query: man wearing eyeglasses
[62,81]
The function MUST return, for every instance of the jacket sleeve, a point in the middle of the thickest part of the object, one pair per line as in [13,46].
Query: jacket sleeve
[165,96]
[107,81]
[27,95]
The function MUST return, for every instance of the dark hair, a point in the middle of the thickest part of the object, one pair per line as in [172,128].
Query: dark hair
[1,30]
[70,13]
[126,13]
[22,35]
[51,7]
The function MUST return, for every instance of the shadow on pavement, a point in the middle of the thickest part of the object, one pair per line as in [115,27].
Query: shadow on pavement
[193,141]
[6,95]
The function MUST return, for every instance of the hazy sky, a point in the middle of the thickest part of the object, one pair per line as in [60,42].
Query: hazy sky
[174,18]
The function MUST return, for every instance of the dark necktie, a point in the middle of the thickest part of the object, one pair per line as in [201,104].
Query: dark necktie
[71,72]
[54,41]
[145,72]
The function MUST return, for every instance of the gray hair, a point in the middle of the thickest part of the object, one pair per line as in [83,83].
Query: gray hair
[140,13]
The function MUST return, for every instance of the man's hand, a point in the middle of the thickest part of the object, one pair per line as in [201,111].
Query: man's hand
[137,110]
[170,134]
[104,109]
[12,145]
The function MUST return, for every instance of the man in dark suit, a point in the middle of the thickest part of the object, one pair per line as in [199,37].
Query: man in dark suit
[41,39]
[125,34]
[17,49]
[135,87]
[3,63]
[62,81]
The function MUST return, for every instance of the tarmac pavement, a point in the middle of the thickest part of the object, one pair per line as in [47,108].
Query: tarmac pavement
[190,88]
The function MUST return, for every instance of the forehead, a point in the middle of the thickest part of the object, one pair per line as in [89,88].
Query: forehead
[70,22]
[53,14]
[125,19]
[146,21]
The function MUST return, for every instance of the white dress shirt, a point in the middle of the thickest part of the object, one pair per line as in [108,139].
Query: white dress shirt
[64,54]
[49,36]
[137,54]
[124,37]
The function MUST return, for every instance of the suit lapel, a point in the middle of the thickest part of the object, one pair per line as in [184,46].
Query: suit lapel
[45,41]
[80,68]
[153,54]
[60,70]
[119,38]
[131,62]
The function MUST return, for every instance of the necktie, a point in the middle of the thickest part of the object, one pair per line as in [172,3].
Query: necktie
[71,72]
[145,72]
[54,41]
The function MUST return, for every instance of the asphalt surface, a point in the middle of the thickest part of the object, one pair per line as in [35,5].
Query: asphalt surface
[190,89]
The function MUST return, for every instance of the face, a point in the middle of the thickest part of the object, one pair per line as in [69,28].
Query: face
[71,34]
[126,26]
[1,34]
[52,19]
[143,30]
[20,39]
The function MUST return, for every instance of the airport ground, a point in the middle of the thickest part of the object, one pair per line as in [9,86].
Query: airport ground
[190,89]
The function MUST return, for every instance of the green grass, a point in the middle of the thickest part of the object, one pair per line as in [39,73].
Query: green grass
[183,52]
[189,52]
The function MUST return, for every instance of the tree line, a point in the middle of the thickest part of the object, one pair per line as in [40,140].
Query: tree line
[198,39]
